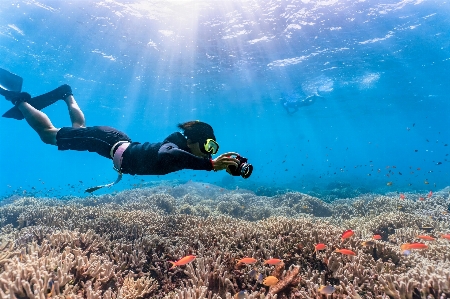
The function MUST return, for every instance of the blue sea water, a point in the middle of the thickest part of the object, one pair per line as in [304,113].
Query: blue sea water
[381,69]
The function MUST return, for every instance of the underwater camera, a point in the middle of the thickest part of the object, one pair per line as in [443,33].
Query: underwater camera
[244,169]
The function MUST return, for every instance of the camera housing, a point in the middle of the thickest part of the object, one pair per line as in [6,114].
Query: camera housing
[244,169]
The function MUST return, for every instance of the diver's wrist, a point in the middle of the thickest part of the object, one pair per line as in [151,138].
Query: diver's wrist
[212,164]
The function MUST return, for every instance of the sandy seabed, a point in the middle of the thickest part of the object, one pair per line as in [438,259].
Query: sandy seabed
[120,245]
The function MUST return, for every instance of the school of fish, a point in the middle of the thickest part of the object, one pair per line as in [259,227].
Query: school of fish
[270,280]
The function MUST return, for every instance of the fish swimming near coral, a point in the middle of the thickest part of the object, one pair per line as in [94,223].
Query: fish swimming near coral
[320,246]
[247,260]
[327,290]
[376,237]
[402,196]
[445,236]
[405,246]
[183,261]
[273,261]
[256,275]
[430,194]
[347,234]
[426,238]
[253,273]
[241,295]
[270,281]
[260,278]
[345,251]
[409,246]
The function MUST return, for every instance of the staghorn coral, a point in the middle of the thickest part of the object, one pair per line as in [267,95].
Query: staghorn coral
[139,288]
[100,246]
[46,268]
[6,252]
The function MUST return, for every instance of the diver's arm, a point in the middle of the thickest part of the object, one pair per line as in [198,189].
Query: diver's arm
[170,156]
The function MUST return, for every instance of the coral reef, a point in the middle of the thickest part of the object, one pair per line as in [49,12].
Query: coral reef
[119,246]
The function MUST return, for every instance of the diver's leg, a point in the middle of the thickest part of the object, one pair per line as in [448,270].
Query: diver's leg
[40,122]
[286,107]
[76,115]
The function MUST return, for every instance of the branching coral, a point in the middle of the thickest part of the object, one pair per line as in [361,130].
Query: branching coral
[118,246]
[139,288]
[6,252]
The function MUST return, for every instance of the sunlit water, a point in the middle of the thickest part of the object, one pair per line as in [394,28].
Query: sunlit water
[381,69]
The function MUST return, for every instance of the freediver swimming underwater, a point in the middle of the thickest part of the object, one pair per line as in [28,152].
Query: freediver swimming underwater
[293,103]
[191,149]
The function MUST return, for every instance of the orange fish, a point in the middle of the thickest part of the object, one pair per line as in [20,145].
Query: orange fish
[345,251]
[376,237]
[421,198]
[426,238]
[247,260]
[402,196]
[405,246]
[408,246]
[270,281]
[347,234]
[183,261]
[418,246]
[447,236]
[273,261]
[320,246]
[430,194]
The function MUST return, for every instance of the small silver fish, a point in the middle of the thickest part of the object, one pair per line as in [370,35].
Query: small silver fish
[327,290]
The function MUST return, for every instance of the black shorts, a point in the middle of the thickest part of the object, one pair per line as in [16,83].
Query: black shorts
[92,139]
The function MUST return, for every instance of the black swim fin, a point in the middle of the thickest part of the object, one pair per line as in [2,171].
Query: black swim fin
[9,81]
[42,101]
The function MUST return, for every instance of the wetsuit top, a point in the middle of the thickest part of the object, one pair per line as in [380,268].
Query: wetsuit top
[162,158]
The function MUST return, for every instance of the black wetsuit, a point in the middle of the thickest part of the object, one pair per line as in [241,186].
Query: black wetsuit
[139,158]
[163,157]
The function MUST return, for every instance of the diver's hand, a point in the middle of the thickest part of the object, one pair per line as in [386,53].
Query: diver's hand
[223,161]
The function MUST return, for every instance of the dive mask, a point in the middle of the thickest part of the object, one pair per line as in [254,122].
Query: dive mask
[210,147]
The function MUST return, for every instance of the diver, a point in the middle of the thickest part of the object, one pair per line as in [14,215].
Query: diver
[292,105]
[191,150]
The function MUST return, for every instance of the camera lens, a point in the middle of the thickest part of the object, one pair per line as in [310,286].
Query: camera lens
[246,170]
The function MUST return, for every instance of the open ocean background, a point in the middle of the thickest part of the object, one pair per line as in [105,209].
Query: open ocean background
[382,68]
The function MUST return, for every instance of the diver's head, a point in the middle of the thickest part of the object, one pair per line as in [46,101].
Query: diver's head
[200,138]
